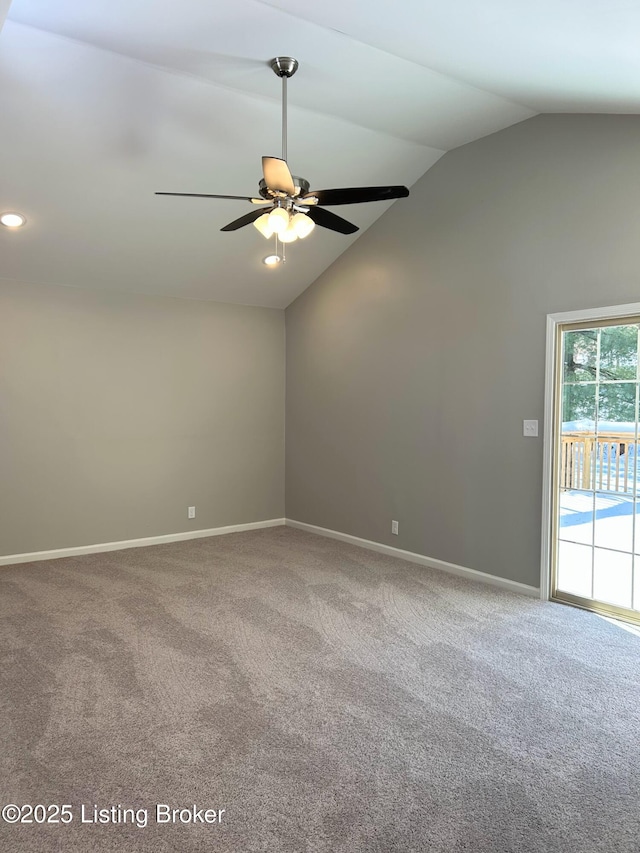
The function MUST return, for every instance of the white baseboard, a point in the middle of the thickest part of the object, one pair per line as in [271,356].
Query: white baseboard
[412,557]
[137,543]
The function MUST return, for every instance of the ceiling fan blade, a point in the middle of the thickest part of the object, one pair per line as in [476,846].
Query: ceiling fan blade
[208,195]
[247,219]
[329,220]
[277,175]
[357,195]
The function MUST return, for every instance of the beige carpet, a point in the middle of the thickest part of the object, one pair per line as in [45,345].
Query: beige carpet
[327,697]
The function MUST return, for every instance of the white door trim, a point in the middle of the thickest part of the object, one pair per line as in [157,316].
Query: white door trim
[553,321]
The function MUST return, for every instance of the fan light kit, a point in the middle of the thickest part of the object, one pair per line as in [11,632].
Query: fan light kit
[293,210]
[12,220]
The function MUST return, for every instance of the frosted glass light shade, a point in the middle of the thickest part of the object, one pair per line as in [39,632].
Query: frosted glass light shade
[263,225]
[278,220]
[303,225]
[288,235]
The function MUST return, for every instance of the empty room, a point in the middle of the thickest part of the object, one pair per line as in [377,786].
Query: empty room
[319,426]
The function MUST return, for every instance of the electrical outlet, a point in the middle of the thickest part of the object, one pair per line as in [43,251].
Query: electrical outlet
[192,512]
[394,527]
[530,428]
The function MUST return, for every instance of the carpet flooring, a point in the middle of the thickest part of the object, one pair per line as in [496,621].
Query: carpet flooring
[326,697]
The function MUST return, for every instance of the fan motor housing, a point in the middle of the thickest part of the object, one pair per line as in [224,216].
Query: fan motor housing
[299,183]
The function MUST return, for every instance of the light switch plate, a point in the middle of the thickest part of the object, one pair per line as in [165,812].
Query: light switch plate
[530,428]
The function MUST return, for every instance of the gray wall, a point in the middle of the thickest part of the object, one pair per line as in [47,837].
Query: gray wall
[413,360]
[118,411]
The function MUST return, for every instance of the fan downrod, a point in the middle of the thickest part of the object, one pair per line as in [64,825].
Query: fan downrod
[284,66]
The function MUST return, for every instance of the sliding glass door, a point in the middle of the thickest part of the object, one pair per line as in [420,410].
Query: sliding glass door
[596,553]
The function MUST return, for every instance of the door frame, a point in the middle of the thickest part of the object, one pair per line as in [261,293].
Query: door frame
[554,321]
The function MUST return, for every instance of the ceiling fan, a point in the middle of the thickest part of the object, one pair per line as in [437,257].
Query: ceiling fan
[292,209]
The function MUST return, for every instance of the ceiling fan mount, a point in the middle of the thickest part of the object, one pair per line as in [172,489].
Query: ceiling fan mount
[293,209]
[284,66]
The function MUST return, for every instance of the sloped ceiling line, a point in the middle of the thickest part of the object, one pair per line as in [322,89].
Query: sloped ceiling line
[225,87]
[432,69]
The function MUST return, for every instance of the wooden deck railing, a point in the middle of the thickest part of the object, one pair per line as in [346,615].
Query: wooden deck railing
[606,462]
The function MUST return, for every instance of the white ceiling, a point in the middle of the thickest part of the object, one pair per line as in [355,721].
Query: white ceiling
[104,102]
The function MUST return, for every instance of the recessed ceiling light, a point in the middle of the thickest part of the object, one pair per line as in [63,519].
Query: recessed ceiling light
[12,220]
[272,260]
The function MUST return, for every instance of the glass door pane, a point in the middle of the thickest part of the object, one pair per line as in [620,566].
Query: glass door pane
[597,548]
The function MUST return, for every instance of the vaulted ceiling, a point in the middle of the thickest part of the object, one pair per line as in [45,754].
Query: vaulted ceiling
[104,102]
